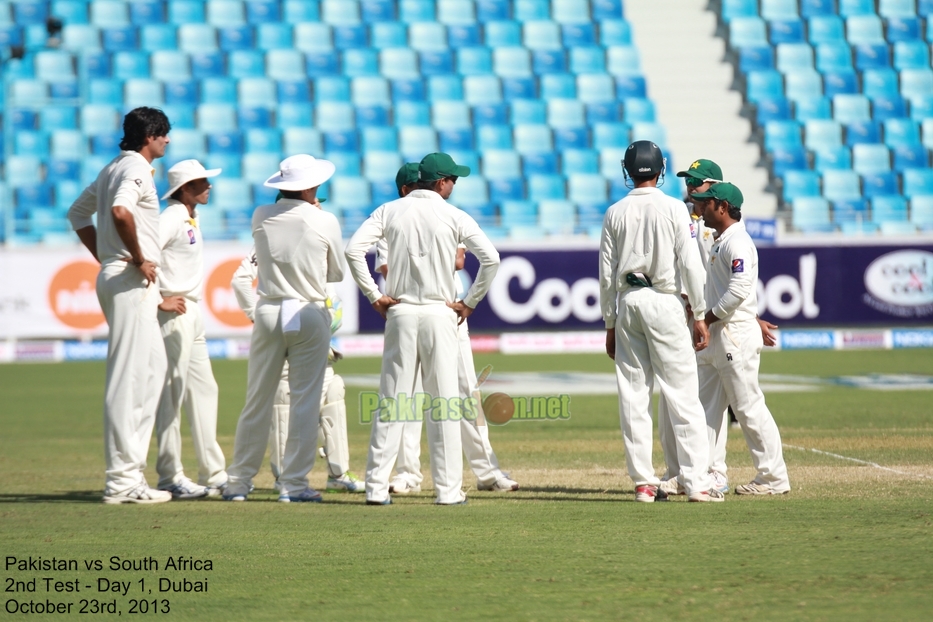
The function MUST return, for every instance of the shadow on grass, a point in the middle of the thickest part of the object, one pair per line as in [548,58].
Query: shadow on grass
[70,496]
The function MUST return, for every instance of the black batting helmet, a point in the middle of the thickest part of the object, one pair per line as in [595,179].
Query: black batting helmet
[643,158]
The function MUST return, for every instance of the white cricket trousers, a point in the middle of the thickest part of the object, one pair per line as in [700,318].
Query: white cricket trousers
[416,336]
[189,382]
[135,371]
[474,433]
[333,426]
[306,350]
[652,342]
[728,374]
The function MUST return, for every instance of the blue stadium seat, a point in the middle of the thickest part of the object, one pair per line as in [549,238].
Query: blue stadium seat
[493,10]
[638,110]
[850,210]
[109,14]
[810,213]
[225,142]
[225,13]
[910,157]
[378,139]
[581,35]
[501,190]
[764,85]
[587,189]
[464,35]
[155,37]
[773,110]
[30,91]
[602,112]
[540,164]
[235,38]
[864,30]
[474,61]
[826,29]
[32,144]
[841,185]
[901,133]
[98,119]
[108,92]
[372,116]
[533,139]
[451,115]
[557,217]
[779,9]
[732,9]
[811,108]
[921,212]
[918,182]
[67,192]
[832,159]
[298,11]
[650,131]
[630,86]
[412,113]
[384,191]
[783,160]
[548,62]
[216,117]
[880,184]
[838,82]
[879,83]
[23,120]
[319,64]
[848,8]
[197,38]
[864,132]
[273,36]
[301,140]
[412,11]
[896,227]
[188,144]
[858,228]
[911,55]
[872,57]
[218,91]
[444,88]
[851,109]
[802,84]
[903,29]
[528,112]
[455,140]
[916,82]
[64,90]
[615,32]
[370,91]
[482,89]
[782,135]
[926,126]
[356,63]
[756,59]
[120,39]
[416,141]
[512,62]
[519,88]
[32,196]
[833,57]
[541,35]
[332,88]
[58,118]
[921,107]
[11,34]
[501,165]
[607,9]
[884,108]
[888,208]
[503,34]
[285,65]
[564,86]
[69,11]
[544,187]
[185,11]
[747,31]
[786,31]
[207,65]
[54,66]
[340,12]
[620,61]
[24,170]
[570,11]
[384,35]
[399,64]
[870,159]
[350,36]
[493,137]
[799,184]
[256,93]
[565,113]
[427,37]
[436,63]
[295,92]
[490,114]
[611,135]
[897,8]
[141,92]
[518,213]
[262,11]
[106,144]
[575,161]
[313,38]
[170,65]
[817,8]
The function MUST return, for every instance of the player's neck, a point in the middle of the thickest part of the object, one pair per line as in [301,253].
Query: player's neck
[723,225]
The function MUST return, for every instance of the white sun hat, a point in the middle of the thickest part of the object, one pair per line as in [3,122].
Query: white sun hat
[185,171]
[301,172]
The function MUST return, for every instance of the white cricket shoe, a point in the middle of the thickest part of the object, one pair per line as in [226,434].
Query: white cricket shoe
[141,494]
[306,495]
[184,488]
[348,482]
[648,493]
[754,488]
[503,484]
[401,486]
[712,495]
[672,487]
[720,481]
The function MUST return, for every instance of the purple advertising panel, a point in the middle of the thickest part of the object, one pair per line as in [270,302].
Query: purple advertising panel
[797,286]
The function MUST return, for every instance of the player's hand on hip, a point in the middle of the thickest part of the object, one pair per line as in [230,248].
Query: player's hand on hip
[767,336]
[383,303]
[611,343]
[149,271]
[173,304]
[700,335]
[461,309]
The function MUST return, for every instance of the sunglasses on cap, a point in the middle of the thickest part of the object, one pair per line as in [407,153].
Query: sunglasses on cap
[694,182]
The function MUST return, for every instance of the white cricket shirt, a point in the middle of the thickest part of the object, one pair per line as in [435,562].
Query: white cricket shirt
[649,232]
[732,276]
[297,251]
[422,232]
[126,181]
[182,253]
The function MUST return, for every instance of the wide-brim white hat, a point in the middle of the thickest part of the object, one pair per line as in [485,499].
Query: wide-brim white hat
[185,171]
[301,172]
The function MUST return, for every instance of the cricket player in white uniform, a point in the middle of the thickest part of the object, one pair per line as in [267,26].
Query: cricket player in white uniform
[646,237]
[125,200]
[297,254]
[728,369]
[190,379]
[333,426]
[474,432]
[422,231]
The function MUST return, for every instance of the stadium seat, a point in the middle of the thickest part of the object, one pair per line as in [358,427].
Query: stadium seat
[350,36]
[832,159]
[533,139]
[880,184]
[884,108]
[914,156]
[142,93]
[802,84]
[218,91]
[876,56]
[427,37]
[732,9]
[120,39]
[575,161]
[864,30]
[810,214]
[902,29]
[851,109]
[623,61]
[773,110]
[896,8]
[863,132]
[826,29]
[911,55]
[901,133]
[888,209]
[235,38]
[156,37]
[850,210]
[921,212]
[917,82]
[747,31]
[756,59]
[870,159]
[783,160]
[799,184]
[841,185]
[812,108]
[572,138]
[587,189]
[565,113]
[782,135]
[764,85]
[786,32]
[838,82]
[918,182]
[169,65]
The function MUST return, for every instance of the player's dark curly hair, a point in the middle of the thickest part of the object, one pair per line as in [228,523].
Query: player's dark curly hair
[141,123]
[734,212]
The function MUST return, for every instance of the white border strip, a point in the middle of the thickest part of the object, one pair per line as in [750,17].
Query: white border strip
[865,462]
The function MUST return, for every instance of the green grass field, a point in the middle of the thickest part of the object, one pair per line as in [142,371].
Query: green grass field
[849,542]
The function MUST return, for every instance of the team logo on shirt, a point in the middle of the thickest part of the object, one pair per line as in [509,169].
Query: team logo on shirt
[693,230]
[191,238]
[138,182]
[738,265]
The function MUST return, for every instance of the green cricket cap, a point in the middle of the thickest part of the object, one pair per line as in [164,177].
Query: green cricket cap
[707,170]
[407,175]
[723,192]
[436,166]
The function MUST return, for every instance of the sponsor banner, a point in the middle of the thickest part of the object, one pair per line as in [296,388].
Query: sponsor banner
[864,340]
[912,338]
[85,350]
[552,343]
[807,339]
[761,230]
